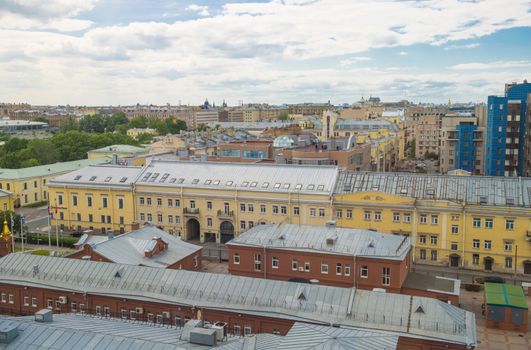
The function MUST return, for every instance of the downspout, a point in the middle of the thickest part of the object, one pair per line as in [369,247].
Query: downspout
[464,234]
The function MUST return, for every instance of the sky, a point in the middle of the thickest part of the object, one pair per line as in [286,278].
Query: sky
[123,52]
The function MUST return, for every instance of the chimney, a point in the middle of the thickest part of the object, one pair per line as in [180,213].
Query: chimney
[135,226]
[110,234]
[331,223]
[114,159]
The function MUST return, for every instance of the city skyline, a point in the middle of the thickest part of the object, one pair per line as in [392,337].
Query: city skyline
[120,53]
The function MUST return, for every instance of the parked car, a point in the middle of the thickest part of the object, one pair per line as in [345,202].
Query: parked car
[490,279]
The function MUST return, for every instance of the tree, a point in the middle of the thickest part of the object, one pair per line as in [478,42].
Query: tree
[15,144]
[69,124]
[139,122]
[117,119]
[44,151]
[29,163]
[412,147]
[6,215]
[202,127]
[42,120]
[72,145]
[175,125]
[145,138]
[92,123]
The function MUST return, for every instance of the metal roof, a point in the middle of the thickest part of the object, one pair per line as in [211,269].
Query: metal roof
[99,175]
[324,305]
[322,239]
[5,193]
[240,176]
[49,169]
[129,248]
[478,190]
[505,295]
[133,150]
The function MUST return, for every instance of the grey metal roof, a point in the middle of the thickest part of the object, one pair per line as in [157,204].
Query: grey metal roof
[260,297]
[50,169]
[99,175]
[128,248]
[477,190]
[322,239]
[420,281]
[241,176]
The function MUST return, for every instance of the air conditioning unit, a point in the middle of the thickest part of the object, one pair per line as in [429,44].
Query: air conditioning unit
[139,311]
[166,314]
[301,269]
[62,300]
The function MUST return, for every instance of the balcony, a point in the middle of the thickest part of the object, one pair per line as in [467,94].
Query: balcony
[225,214]
[191,211]
[528,236]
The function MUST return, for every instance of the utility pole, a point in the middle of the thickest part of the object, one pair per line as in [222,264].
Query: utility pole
[22,230]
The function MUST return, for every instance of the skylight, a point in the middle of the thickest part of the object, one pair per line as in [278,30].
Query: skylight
[154,177]
[164,177]
[265,185]
[229,183]
[216,182]
[172,180]
[298,187]
[320,188]
[310,187]
[208,182]
[92,178]
[195,181]
[107,179]
[245,184]
[254,183]
[181,180]
[77,177]
[286,186]
[277,185]
[123,179]
[146,177]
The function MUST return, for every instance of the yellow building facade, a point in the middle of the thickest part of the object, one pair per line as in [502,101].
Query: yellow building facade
[6,201]
[476,222]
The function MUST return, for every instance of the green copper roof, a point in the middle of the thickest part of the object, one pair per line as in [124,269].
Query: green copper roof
[49,169]
[121,149]
[505,295]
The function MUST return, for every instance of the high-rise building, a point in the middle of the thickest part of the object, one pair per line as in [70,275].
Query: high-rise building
[505,132]
[527,144]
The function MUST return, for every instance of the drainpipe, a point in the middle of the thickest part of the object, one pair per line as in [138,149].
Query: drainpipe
[464,236]
[265,262]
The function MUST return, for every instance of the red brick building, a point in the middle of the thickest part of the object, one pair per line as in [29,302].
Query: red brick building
[146,246]
[333,256]
[29,283]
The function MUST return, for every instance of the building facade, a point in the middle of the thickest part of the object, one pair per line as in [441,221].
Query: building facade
[6,201]
[426,134]
[506,129]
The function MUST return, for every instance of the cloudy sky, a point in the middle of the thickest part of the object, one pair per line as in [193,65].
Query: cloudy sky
[100,52]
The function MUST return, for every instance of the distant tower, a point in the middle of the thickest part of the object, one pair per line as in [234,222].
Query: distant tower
[5,240]
[449,102]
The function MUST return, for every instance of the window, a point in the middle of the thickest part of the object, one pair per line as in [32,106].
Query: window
[120,203]
[275,209]
[236,259]
[422,255]
[488,245]
[257,262]
[149,217]
[434,219]
[324,268]
[242,208]
[321,212]
[422,239]
[407,217]
[378,216]
[250,208]
[242,225]
[170,219]
[454,246]
[455,229]
[296,211]
[367,215]
[4,297]
[33,301]
[74,200]
[142,217]
[150,317]
[396,217]
[170,202]
[275,262]
[142,201]
[209,222]
[433,240]
[364,272]
[349,213]
[476,222]
[475,259]
[386,276]
[294,265]
[247,330]
[262,208]
[347,269]
[508,246]
[237,330]
[26,301]
[339,213]
[73,307]
[177,219]
[104,202]
[339,268]
[312,211]
[60,198]
[148,201]
[433,255]
[159,218]
[177,203]
[423,218]
[108,219]
[159,319]
[489,223]
[98,310]
[307,266]
[508,262]
[192,204]
[283,210]
[132,314]
[509,225]
[475,243]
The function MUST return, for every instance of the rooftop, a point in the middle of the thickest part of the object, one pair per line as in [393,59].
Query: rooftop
[128,149]
[333,240]
[13,122]
[5,194]
[240,176]
[432,283]
[99,175]
[501,294]
[49,169]
[476,190]
[397,314]
[129,248]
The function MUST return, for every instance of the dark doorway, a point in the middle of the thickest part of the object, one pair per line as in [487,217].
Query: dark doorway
[488,263]
[527,267]
[227,231]
[193,232]
[454,260]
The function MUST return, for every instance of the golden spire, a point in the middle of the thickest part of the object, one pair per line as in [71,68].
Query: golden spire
[5,231]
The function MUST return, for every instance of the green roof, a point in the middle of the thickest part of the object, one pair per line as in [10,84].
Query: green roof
[121,149]
[49,169]
[505,295]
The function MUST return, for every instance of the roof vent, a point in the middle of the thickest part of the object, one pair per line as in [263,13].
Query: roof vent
[44,315]
[483,199]
[118,274]
[35,270]
[302,297]
[331,223]
[371,244]
[8,332]
[420,310]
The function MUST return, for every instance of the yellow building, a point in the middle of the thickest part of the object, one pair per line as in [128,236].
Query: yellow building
[475,222]
[6,201]
[136,132]
[29,185]
[119,150]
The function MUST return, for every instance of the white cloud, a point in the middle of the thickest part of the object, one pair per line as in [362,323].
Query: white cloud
[201,10]
[403,53]
[250,51]
[467,46]
[491,65]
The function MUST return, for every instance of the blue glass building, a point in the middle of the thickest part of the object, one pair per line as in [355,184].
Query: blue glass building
[465,147]
[505,131]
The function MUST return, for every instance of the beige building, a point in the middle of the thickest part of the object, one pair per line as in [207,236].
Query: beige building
[136,132]
[426,134]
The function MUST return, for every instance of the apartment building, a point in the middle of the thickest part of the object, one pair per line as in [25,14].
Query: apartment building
[164,297]
[460,221]
[461,144]
[30,185]
[426,134]
[527,145]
